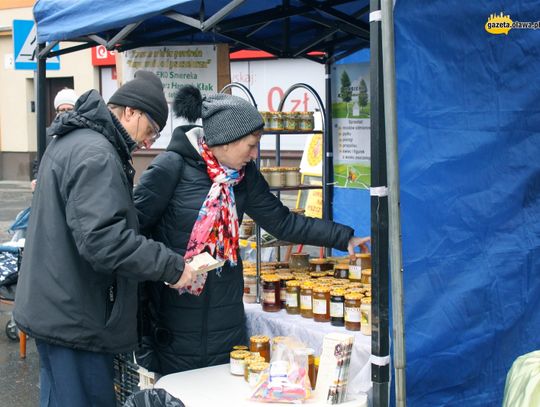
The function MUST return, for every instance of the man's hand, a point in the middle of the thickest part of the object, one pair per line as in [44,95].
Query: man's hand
[186,278]
[358,241]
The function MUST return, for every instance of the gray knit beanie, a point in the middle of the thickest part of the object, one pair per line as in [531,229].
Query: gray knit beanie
[228,118]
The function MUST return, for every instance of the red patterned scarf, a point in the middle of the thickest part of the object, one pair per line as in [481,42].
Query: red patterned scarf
[216,227]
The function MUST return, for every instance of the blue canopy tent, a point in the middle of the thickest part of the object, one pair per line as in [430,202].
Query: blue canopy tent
[469,145]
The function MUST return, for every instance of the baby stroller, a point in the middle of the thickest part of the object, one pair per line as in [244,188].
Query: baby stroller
[10,262]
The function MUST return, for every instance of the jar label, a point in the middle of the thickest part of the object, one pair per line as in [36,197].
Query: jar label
[365,317]
[305,301]
[269,296]
[319,307]
[352,314]
[336,309]
[292,300]
[355,272]
[250,288]
[237,366]
[283,294]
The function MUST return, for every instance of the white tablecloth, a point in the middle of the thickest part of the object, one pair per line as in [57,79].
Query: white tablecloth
[216,387]
[312,334]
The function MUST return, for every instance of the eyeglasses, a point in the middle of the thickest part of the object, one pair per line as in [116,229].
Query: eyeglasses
[155,128]
[64,110]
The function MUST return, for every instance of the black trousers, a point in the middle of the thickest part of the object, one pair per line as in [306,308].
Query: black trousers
[75,378]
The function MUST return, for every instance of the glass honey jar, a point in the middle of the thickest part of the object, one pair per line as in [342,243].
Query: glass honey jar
[255,372]
[341,271]
[293,297]
[365,316]
[250,286]
[361,262]
[238,362]
[261,344]
[284,277]
[299,261]
[337,307]
[254,357]
[321,303]
[271,293]
[306,292]
[353,302]
[366,276]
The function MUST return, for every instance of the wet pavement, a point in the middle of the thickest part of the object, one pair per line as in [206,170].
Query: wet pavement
[19,378]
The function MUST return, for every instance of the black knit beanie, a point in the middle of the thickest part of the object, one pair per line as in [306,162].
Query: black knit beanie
[144,92]
[228,118]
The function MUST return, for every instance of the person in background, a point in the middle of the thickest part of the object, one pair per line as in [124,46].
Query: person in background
[64,101]
[83,258]
[192,198]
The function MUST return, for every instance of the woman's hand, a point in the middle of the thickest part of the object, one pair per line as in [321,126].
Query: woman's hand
[360,242]
[186,278]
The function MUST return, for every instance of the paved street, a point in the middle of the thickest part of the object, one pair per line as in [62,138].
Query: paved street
[19,378]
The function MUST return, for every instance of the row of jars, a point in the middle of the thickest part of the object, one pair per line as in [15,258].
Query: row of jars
[282,176]
[324,299]
[252,362]
[299,121]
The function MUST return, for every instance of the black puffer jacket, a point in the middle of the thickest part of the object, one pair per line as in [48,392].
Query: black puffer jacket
[83,257]
[197,331]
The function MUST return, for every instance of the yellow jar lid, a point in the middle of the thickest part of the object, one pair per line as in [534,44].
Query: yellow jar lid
[363,255]
[366,272]
[338,292]
[355,285]
[293,283]
[366,300]
[341,266]
[322,289]
[250,272]
[259,338]
[318,261]
[308,284]
[240,354]
[270,278]
[258,367]
[353,296]
[316,274]
[285,276]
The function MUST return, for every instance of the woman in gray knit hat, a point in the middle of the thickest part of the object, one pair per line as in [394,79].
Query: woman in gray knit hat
[192,198]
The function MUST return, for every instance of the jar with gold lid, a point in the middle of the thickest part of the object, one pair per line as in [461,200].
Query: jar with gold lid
[353,301]
[361,262]
[292,176]
[306,305]
[301,275]
[267,117]
[307,121]
[271,293]
[284,277]
[247,227]
[318,265]
[254,357]
[366,276]
[341,271]
[250,286]
[255,372]
[289,121]
[299,261]
[337,307]
[265,171]
[355,284]
[321,303]
[365,316]
[237,362]
[261,344]
[293,297]
[317,274]
[277,177]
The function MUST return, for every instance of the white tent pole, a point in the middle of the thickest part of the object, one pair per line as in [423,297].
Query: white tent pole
[394,220]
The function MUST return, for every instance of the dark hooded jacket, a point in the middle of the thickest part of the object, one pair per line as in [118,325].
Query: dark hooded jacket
[191,331]
[83,255]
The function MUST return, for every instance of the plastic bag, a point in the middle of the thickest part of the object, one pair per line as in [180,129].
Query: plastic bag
[287,380]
